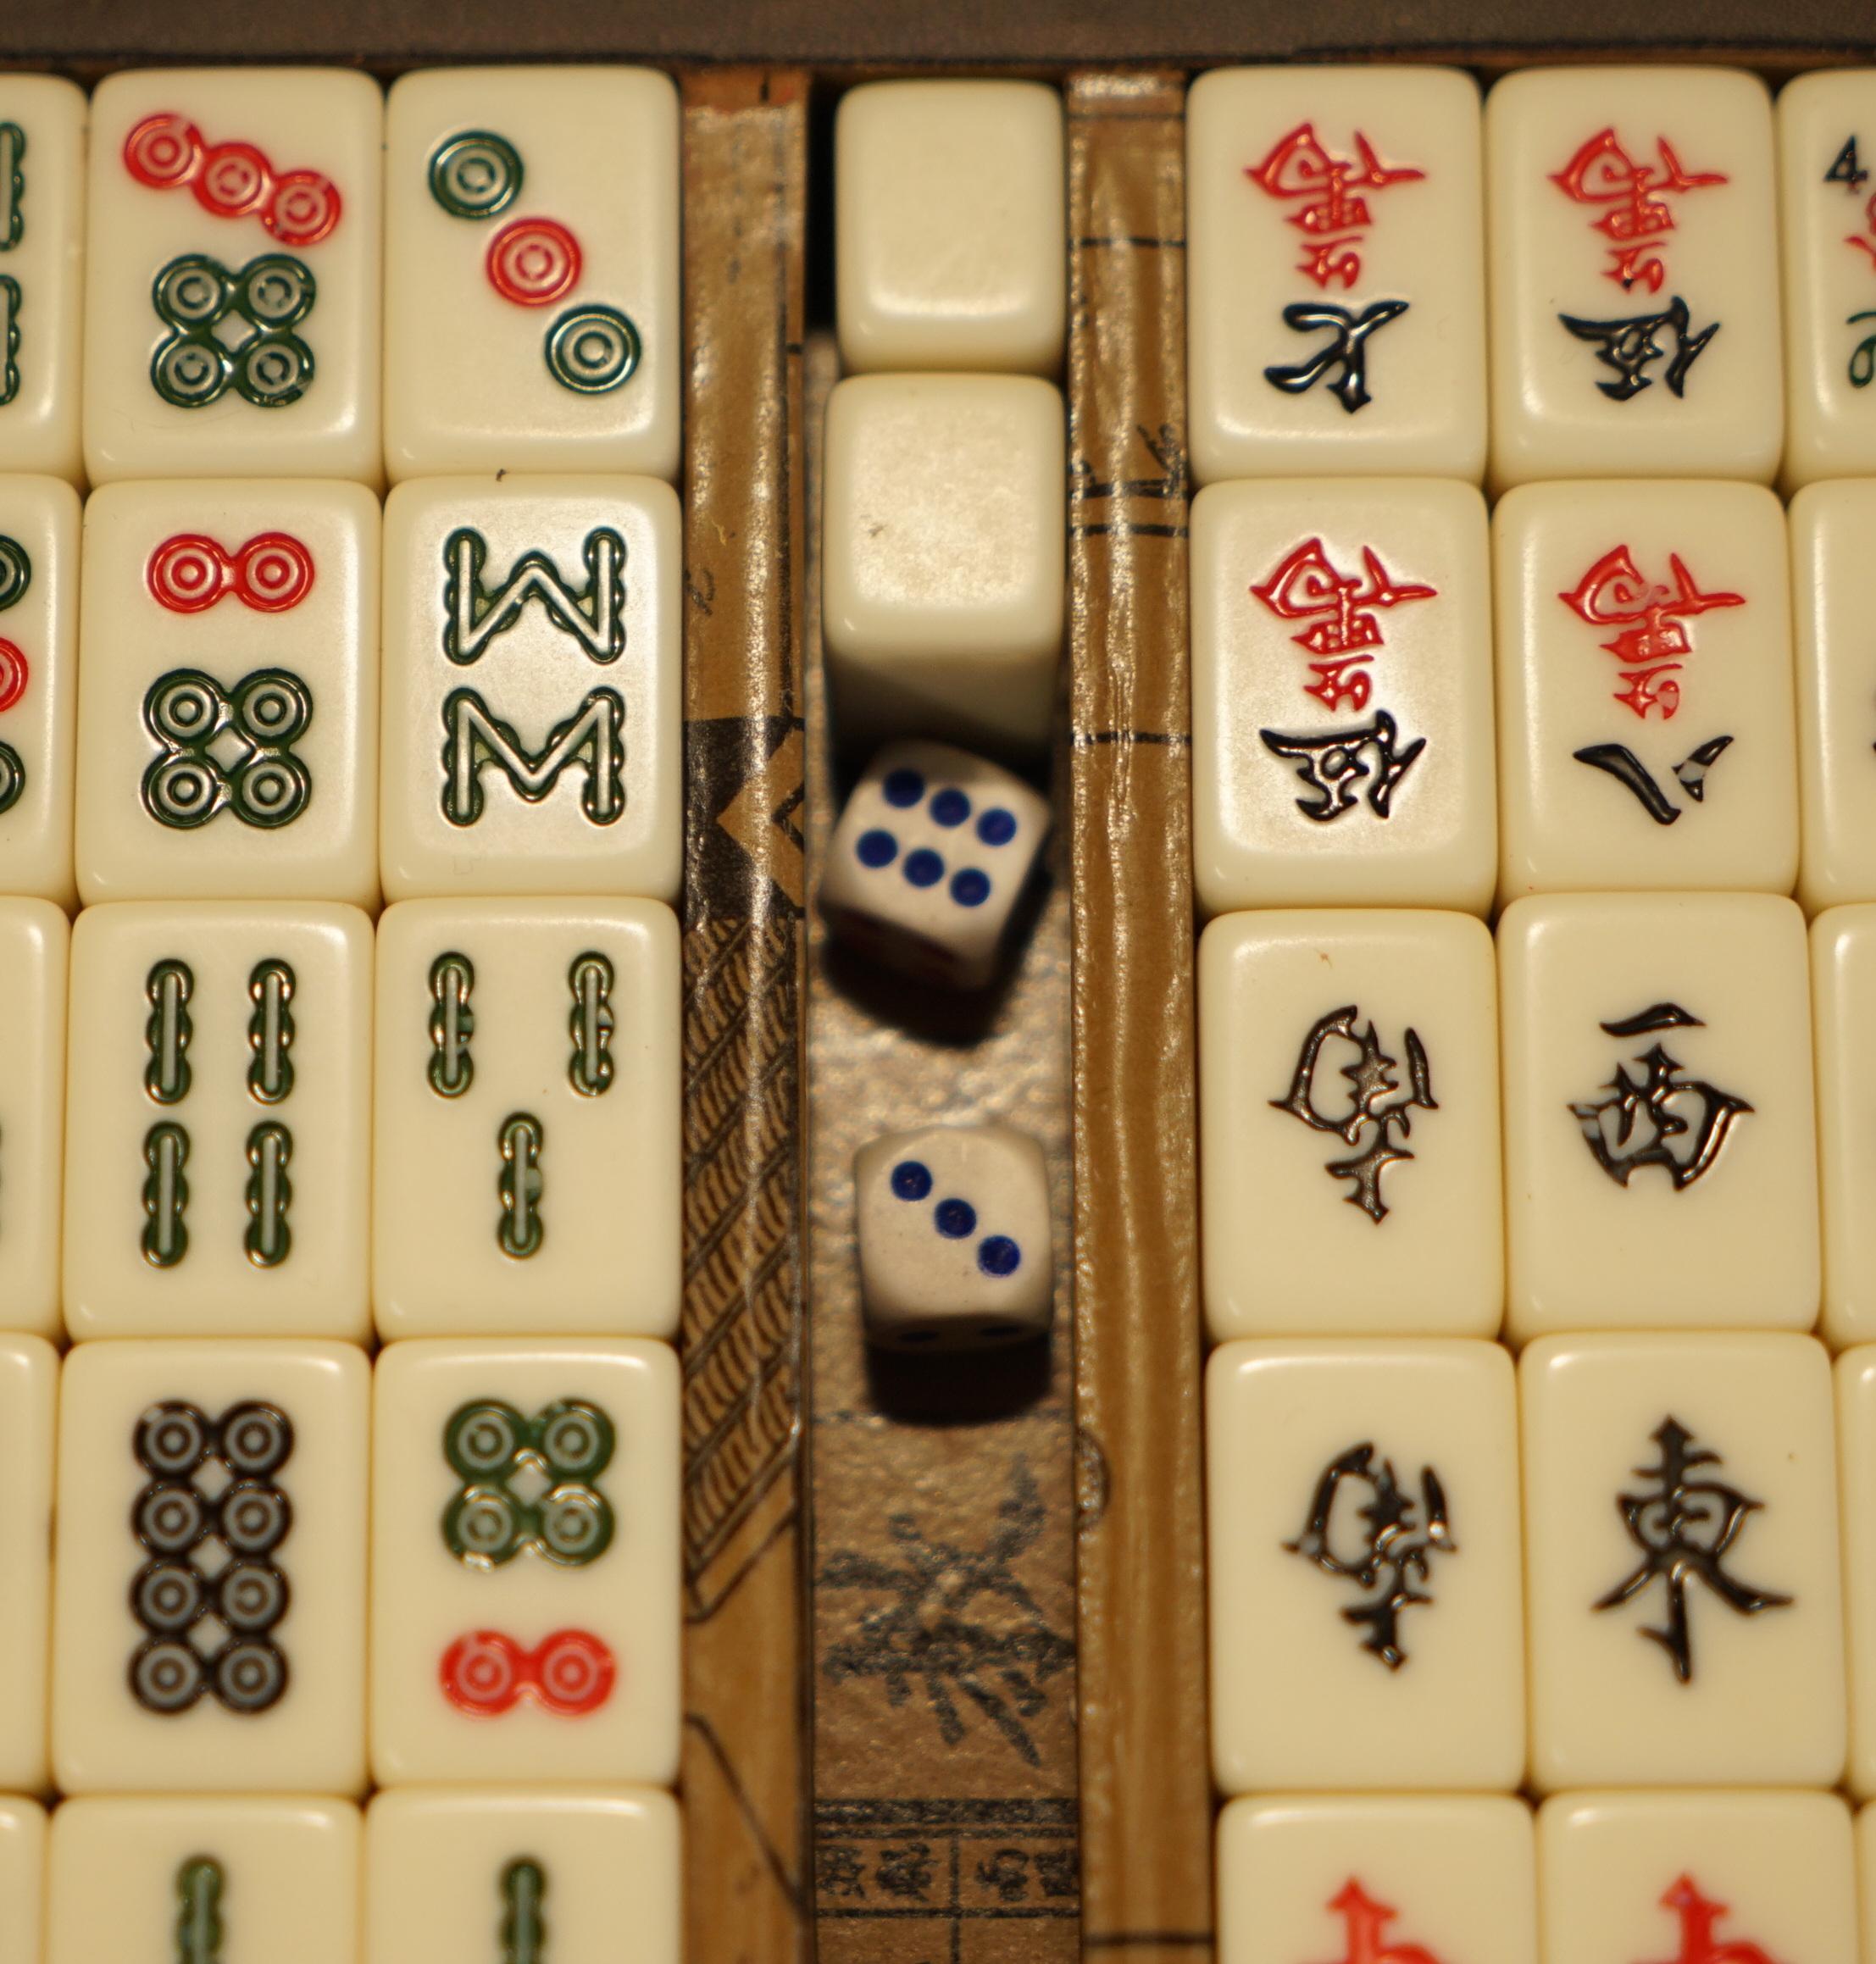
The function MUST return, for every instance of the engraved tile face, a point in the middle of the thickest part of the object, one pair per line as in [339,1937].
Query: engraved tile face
[232,275]
[550,1875]
[29,1389]
[950,242]
[39,533]
[34,960]
[1645,696]
[150,1881]
[217,1167]
[1366,1626]
[1834,592]
[1686,1624]
[531,271]
[1660,1155]
[228,709]
[209,1619]
[1633,250]
[1843,974]
[1432,1879]
[1827,156]
[1697,1878]
[41,257]
[533,688]
[22,1876]
[528,1150]
[1348,1125]
[1336,320]
[524,1610]
[1342,696]
[943,587]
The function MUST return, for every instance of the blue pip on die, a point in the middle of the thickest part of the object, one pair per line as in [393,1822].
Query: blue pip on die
[953,1229]
[929,859]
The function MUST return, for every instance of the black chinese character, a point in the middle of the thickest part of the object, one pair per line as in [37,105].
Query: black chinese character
[1395,1549]
[1659,1118]
[1627,769]
[1333,767]
[906,1872]
[1629,346]
[1684,1528]
[1374,1100]
[1346,350]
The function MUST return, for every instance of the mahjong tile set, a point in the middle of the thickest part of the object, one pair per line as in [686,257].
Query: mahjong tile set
[340,981]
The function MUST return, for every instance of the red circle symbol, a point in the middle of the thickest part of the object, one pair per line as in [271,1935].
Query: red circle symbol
[235,180]
[481,1672]
[13,674]
[534,262]
[272,572]
[189,573]
[162,150]
[574,1673]
[303,209]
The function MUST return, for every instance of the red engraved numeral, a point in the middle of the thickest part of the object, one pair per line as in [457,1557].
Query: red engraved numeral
[270,574]
[13,674]
[232,181]
[1327,190]
[1636,195]
[487,1673]
[1653,618]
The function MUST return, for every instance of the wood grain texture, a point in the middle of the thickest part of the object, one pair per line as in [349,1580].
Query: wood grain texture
[745,1768]
[1145,1792]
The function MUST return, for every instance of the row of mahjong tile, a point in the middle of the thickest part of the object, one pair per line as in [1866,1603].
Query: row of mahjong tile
[1701,1879]
[245,272]
[198,1618]
[270,1121]
[191,703]
[1628,1560]
[519,1875]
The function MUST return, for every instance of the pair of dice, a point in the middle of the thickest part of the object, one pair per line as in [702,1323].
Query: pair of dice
[926,870]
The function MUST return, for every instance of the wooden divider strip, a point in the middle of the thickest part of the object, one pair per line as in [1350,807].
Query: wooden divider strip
[745,1768]
[1146,1791]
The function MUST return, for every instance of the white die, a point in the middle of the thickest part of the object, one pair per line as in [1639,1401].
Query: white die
[928,860]
[953,1225]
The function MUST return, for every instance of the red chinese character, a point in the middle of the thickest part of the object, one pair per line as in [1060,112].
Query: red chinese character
[1300,167]
[1697,1918]
[1858,240]
[1603,172]
[1613,593]
[1305,586]
[1367,1919]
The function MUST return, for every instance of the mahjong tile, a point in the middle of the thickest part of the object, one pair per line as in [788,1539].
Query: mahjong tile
[22,1878]
[35,962]
[42,272]
[29,1396]
[39,592]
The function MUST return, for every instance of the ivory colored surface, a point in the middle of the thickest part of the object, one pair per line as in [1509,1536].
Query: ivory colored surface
[1834,592]
[1289,1247]
[1449,1875]
[543,645]
[609,1863]
[312,1738]
[424,1598]
[1277,826]
[933,851]
[606,1163]
[1767,1875]
[1297,1700]
[1568,685]
[41,254]
[1712,246]
[1856,1374]
[950,224]
[328,121]
[952,1229]
[943,591]
[35,945]
[1827,157]
[1843,980]
[22,1877]
[289,1878]
[1764,1702]
[131,844]
[39,516]
[29,1393]
[1283,211]
[222,1277]
[1650,1241]
[466,381]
